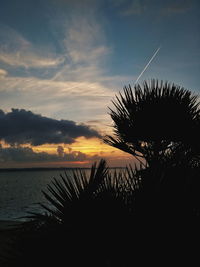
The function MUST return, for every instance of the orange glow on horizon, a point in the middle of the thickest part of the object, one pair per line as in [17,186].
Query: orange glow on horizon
[92,149]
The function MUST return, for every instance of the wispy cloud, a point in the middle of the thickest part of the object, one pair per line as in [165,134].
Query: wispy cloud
[28,59]
[16,51]
[84,49]
[47,89]
[83,40]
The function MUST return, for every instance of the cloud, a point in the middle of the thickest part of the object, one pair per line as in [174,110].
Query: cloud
[84,40]
[28,59]
[54,88]
[3,73]
[84,49]
[77,71]
[60,151]
[21,127]
[72,155]
[16,51]
[23,154]
[26,154]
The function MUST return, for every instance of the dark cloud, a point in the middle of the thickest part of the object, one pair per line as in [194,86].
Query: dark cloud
[71,155]
[60,151]
[23,154]
[20,127]
[26,154]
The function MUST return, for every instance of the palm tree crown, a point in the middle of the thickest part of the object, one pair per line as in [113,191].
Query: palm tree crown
[155,118]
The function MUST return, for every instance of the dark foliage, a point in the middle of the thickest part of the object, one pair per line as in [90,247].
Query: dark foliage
[158,122]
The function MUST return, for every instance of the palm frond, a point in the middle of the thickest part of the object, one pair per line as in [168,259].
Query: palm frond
[157,114]
[70,192]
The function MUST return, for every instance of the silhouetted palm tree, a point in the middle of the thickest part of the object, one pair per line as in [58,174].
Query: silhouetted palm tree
[157,122]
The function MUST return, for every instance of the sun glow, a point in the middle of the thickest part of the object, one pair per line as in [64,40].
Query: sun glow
[88,146]
[82,153]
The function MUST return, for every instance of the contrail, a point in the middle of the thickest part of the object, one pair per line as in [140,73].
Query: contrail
[147,65]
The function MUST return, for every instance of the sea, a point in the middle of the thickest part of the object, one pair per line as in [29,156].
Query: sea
[21,191]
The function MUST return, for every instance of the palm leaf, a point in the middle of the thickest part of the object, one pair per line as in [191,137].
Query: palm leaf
[70,192]
[150,119]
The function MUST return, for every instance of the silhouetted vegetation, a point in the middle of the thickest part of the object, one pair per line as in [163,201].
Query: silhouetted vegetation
[158,122]
[141,215]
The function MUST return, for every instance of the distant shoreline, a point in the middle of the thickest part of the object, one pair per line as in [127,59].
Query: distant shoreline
[38,169]
[49,169]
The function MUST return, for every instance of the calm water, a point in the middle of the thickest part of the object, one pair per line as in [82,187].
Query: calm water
[20,191]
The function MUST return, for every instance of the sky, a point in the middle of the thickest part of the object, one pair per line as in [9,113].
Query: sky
[62,62]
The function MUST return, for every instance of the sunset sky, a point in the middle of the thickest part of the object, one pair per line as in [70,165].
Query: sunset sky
[63,61]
